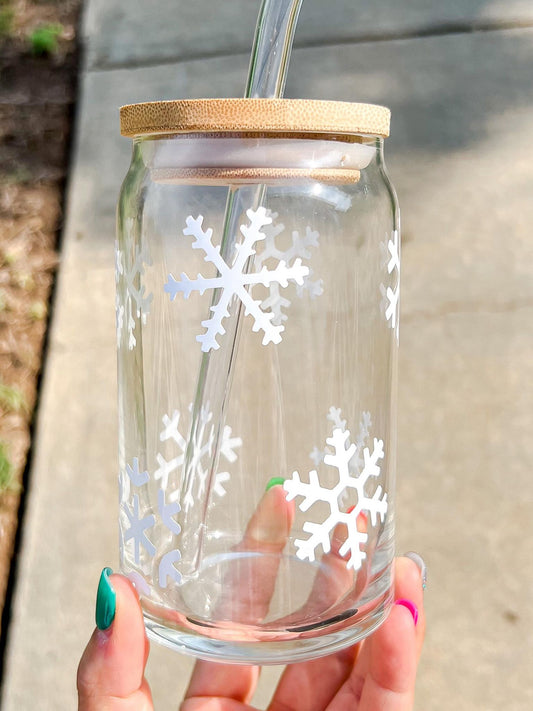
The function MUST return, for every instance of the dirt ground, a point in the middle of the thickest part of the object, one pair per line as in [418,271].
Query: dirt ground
[37,96]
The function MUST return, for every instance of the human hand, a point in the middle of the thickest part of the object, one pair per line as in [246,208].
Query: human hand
[378,674]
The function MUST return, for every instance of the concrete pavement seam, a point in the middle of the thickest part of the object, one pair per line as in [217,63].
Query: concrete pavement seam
[453,28]
[452,308]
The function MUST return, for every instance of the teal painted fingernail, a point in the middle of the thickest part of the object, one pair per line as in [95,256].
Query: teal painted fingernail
[106,601]
[275,481]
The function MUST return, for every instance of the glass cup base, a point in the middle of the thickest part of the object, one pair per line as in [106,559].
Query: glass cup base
[265,651]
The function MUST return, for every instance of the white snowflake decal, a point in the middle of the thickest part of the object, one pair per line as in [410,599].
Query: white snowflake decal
[167,511]
[235,281]
[392,295]
[167,569]
[139,582]
[137,303]
[314,491]
[356,462]
[165,469]
[137,529]
[202,449]
[300,248]
[136,476]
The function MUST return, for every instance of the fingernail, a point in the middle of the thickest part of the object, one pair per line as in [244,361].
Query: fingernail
[106,601]
[413,609]
[416,558]
[275,481]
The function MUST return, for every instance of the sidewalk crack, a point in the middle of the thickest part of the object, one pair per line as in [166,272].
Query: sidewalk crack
[424,32]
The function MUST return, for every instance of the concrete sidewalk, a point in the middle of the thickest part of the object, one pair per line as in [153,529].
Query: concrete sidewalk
[460,157]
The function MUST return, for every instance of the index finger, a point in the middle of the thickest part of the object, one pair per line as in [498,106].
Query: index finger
[111,670]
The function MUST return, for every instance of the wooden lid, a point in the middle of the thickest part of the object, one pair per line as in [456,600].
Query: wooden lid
[265,116]
[263,176]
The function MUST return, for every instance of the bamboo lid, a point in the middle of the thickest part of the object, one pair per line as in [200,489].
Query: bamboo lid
[263,176]
[265,116]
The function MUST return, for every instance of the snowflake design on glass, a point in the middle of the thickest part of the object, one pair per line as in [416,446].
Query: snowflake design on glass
[137,529]
[300,248]
[391,295]
[135,475]
[139,583]
[139,526]
[202,449]
[136,303]
[356,462]
[168,570]
[170,431]
[314,491]
[166,567]
[235,281]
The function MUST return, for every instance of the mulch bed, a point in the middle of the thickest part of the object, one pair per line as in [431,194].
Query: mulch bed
[37,96]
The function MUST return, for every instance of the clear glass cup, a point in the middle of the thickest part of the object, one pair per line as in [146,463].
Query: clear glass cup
[257,266]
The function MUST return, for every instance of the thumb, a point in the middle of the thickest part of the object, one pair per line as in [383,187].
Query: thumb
[111,670]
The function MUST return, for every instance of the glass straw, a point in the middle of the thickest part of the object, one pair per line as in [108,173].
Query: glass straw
[267,74]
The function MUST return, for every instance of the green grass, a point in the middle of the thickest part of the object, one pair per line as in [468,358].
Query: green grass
[12,399]
[6,468]
[43,40]
[7,16]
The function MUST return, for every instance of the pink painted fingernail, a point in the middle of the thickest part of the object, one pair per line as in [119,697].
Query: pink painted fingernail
[413,609]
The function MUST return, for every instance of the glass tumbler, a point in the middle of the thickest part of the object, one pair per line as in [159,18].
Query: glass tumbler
[257,267]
